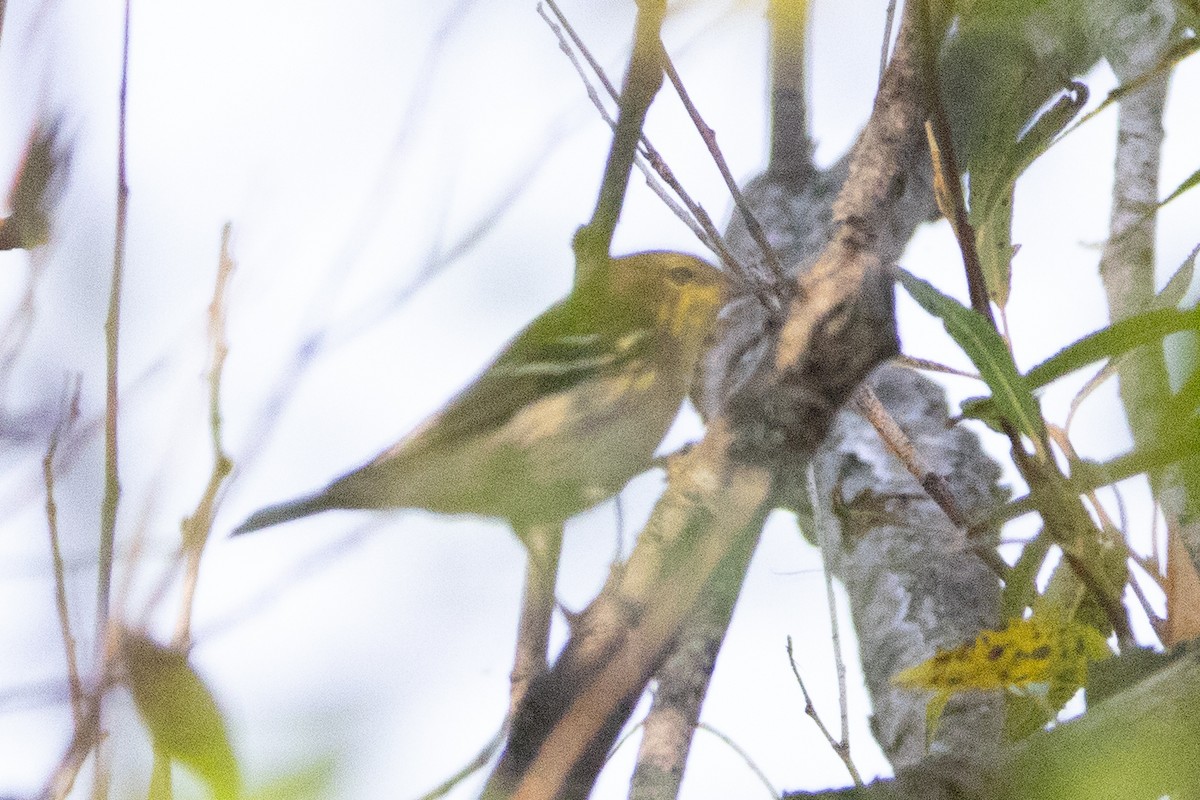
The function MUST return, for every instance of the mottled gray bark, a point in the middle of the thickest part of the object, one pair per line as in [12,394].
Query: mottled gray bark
[914,582]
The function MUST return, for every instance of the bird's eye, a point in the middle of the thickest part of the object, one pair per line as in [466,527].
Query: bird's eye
[682,275]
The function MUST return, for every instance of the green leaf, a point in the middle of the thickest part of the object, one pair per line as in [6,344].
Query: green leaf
[1180,50]
[312,781]
[993,243]
[1010,392]
[992,182]
[1020,588]
[1118,338]
[1025,713]
[180,713]
[1190,182]
[1111,342]
[994,175]
[1177,285]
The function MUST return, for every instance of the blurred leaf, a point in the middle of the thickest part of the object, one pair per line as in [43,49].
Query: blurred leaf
[180,713]
[993,183]
[1117,674]
[981,342]
[313,781]
[993,243]
[1039,651]
[1190,182]
[1140,743]
[28,224]
[1025,713]
[1120,337]
[1020,588]
[1177,285]
[1110,342]
[1181,49]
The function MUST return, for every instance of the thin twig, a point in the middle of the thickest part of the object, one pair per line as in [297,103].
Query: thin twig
[811,711]
[112,329]
[886,47]
[770,257]
[198,526]
[474,765]
[112,482]
[732,745]
[70,415]
[934,366]
[649,160]
[899,445]
[62,779]
[702,227]
[821,530]
[1156,621]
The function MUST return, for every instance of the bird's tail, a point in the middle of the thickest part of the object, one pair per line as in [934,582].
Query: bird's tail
[283,512]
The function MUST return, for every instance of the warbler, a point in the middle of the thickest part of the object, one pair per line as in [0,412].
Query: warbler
[569,412]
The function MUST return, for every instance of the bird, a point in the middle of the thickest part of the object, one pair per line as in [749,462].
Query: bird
[571,410]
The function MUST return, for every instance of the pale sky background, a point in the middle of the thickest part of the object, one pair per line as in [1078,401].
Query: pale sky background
[353,145]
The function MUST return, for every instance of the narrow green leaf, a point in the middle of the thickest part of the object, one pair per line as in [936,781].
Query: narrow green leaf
[1190,182]
[994,175]
[1177,285]
[1107,342]
[1118,338]
[180,713]
[1179,51]
[981,342]
[993,243]
[990,185]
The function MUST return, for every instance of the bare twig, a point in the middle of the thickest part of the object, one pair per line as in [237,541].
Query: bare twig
[62,779]
[886,46]
[70,414]
[735,747]
[197,527]
[474,765]
[778,275]
[824,542]
[112,329]
[840,749]
[649,161]
[901,447]
[112,483]
[934,366]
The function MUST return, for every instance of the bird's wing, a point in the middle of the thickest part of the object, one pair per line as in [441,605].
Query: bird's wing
[559,350]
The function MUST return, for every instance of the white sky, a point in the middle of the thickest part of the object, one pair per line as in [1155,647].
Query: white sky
[351,145]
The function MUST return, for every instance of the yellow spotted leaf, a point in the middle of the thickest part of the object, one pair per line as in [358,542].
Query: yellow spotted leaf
[1028,652]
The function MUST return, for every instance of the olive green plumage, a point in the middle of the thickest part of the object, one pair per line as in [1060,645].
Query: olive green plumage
[570,411]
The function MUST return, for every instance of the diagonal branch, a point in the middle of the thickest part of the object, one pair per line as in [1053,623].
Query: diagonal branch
[840,327]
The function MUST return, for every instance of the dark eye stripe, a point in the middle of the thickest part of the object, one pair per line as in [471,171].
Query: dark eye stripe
[682,274]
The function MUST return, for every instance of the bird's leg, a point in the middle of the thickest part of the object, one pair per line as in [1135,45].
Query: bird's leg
[544,543]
